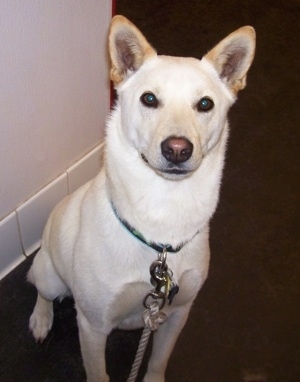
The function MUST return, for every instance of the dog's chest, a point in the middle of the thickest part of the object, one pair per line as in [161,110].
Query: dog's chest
[114,296]
[127,308]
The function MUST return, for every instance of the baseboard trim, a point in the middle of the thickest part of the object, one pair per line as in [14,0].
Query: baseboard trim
[21,231]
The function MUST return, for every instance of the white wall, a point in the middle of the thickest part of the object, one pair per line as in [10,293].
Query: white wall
[54,94]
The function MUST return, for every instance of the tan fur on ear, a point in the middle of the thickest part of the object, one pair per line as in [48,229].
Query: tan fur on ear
[128,48]
[233,56]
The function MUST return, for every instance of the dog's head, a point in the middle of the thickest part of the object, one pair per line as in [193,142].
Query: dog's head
[174,109]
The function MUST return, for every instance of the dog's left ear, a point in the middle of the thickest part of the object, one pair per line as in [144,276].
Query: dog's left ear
[233,56]
[128,48]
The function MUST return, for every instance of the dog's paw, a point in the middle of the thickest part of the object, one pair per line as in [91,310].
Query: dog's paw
[40,324]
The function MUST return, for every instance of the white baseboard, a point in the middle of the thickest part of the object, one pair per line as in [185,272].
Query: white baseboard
[33,214]
[11,253]
[21,231]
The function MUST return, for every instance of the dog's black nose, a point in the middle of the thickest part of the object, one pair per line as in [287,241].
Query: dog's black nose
[177,149]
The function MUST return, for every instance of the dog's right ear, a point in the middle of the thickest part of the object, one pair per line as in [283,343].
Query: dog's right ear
[128,49]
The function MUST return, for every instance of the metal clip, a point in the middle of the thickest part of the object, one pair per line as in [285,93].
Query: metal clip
[158,271]
[154,296]
[159,279]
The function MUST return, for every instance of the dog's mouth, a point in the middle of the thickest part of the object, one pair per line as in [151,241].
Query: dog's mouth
[170,170]
[175,171]
[144,158]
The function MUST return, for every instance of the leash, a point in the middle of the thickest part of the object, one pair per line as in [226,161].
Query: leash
[154,301]
[152,319]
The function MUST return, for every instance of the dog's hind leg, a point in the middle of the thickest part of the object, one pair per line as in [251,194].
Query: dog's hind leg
[49,286]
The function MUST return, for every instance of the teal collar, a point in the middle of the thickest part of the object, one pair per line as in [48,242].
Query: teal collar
[138,235]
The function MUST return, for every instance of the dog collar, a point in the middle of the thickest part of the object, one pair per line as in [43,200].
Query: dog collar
[138,235]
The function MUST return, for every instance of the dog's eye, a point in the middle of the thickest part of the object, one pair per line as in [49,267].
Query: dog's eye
[205,104]
[149,99]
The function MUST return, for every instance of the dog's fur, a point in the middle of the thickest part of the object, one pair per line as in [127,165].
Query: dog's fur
[163,160]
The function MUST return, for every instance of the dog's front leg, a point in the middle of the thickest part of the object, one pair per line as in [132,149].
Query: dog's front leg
[163,343]
[92,343]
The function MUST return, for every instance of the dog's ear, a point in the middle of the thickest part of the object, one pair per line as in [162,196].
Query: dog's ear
[233,56]
[128,48]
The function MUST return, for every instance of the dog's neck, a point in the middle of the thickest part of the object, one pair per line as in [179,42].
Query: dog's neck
[158,247]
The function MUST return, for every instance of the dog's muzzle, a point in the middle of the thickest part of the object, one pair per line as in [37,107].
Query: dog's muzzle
[175,154]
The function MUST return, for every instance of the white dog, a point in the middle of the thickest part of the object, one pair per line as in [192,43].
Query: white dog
[159,183]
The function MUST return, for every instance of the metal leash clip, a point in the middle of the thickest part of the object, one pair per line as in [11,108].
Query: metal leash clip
[161,279]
